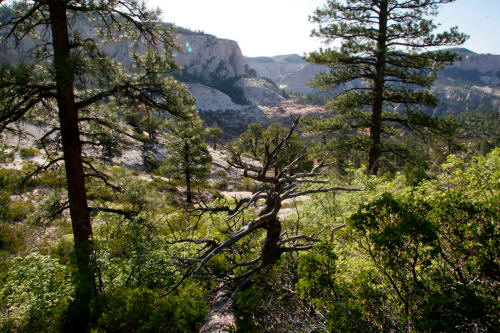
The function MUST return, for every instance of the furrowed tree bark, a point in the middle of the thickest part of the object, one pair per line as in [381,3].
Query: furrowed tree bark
[79,313]
[379,84]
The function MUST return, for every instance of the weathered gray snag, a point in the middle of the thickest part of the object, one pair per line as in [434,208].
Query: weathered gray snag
[277,183]
[220,318]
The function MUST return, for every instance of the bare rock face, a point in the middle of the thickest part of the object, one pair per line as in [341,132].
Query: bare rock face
[471,83]
[472,69]
[259,91]
[290,72]
[210,99]
[210,58]
[457,99]
[473,61]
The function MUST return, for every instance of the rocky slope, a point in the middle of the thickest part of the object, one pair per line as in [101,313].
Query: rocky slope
[218,77]
[290,72]
[204,59]
[275,67]
[259,91]
[211,99]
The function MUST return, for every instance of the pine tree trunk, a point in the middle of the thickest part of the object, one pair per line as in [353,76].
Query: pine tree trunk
[379,85]
[68,119]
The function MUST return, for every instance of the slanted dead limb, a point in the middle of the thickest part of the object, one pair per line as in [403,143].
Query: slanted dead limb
[278,182]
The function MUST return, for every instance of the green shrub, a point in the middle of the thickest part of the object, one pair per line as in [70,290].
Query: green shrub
[221,184]
[52,179]
[34,295]
[6,156]
[145,310]
[13,211]
[29,152]
[9,180]
[96,190]
[246,184]
[270,303]
[11,240]
[63,248]
[216,195]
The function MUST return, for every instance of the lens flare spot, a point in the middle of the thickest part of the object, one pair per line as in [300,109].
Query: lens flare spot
[190,50]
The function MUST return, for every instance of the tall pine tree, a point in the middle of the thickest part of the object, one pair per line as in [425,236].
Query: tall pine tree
[382,72]
[188,159]
[61,70]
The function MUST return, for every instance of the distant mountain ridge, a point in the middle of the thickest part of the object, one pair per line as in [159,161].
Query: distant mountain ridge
[473,83]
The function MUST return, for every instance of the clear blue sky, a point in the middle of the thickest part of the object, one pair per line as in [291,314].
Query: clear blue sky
[273,27]
[480,19]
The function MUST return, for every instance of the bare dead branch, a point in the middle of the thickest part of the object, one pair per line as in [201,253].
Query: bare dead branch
[247,229]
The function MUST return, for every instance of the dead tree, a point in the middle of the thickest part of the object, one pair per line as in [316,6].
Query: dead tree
[277,183]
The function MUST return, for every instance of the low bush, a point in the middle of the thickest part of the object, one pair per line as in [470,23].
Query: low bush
[29,152]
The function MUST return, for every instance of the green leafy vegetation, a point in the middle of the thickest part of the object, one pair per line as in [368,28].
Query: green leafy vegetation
[480,130]
[304,237]
[419,258]
[29,152]
[406,253]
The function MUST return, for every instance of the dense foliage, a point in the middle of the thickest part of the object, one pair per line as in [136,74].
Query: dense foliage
[393,257]
[63,76]
[302,239]
[421,258]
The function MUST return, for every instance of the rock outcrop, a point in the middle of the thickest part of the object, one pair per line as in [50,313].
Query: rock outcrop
[297,82]
[483,63]
[459,99]
[259,91]
[222,79]
[208,58]
[210,99]
[277,67]
[290,72]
